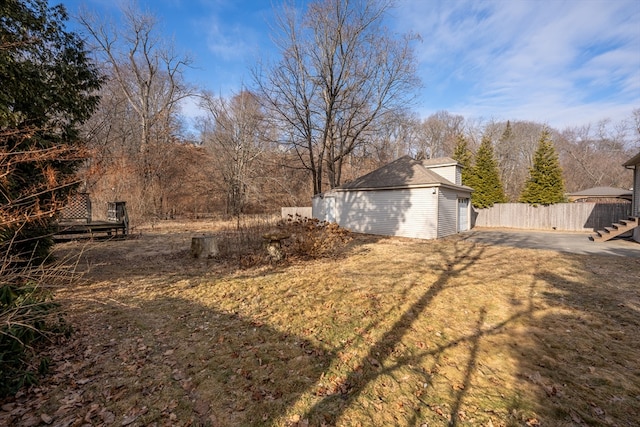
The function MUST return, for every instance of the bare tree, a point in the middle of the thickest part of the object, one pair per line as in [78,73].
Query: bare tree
[439,134]
[398,134]
[592,155]
[635,123]
[515,144]
[234,132]
[340,71]
[147,73]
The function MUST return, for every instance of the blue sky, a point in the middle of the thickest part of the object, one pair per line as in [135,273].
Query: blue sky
[564,63]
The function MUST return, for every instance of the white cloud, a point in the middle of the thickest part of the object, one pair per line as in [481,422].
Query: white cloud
[230,42]
[552,61]
[190,108]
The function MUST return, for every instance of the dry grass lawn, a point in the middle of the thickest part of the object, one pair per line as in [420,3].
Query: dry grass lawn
[395,332]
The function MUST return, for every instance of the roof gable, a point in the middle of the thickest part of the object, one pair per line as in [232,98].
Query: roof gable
[401,173]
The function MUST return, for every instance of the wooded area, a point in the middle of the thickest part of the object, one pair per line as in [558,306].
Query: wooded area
[318,116]
[263,147]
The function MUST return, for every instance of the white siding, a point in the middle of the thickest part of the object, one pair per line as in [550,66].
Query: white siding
[447,212]
[635,210]
[452,173]
[323,207]
[317,207]
[407,213]
[447,172]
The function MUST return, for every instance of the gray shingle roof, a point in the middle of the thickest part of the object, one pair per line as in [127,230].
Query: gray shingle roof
[603,192]
[402,173]
[440,161]
[635,160]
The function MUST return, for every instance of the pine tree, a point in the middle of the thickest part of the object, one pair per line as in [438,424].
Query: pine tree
[486,178]
[545,185]
[504,153]
[464,156]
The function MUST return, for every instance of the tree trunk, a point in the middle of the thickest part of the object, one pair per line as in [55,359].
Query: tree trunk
[204,247]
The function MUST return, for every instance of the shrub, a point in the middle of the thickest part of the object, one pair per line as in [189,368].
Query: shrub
[243,244]
[28,317]
[311,238]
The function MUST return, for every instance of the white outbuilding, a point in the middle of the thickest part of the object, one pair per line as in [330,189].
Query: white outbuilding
[409,198]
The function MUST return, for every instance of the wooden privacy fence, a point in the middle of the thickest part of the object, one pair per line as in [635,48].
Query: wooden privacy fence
[561,216]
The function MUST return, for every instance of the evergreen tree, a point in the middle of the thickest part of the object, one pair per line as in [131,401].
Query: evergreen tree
[47,91]
[464,156]
[507,134]
[505,157]
[486,177]
[545,185]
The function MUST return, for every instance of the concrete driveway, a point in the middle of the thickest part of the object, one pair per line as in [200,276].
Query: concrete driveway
[576,243]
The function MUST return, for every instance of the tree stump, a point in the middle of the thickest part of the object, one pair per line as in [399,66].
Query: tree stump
[204,246]
[273,245]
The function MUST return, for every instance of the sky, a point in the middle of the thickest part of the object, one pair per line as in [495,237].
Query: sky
[560,62]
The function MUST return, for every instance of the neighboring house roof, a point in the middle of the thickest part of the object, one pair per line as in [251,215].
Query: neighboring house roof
[402,173]
[634,161]
[602,192]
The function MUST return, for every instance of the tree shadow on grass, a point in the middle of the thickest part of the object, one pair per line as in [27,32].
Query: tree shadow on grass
[393,355]
[158,360]
[262,375]
[376,363]
[582,355]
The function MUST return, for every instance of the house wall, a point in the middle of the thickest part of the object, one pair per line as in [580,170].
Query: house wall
[406,213]
[636,191]
[447,212]
[451,173]
[324,207]
[635,210]
[318,208]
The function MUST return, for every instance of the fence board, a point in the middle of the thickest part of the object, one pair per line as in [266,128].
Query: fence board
[561,216]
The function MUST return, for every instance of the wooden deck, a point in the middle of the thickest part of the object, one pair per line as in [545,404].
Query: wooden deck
[93,230]
[76,223]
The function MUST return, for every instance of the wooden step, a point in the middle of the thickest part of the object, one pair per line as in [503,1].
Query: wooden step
[616,229]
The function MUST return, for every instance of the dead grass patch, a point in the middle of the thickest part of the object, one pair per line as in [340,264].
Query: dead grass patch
[394,332]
